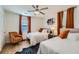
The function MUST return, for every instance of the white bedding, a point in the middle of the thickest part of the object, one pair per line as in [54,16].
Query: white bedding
[57,45]
[36,37]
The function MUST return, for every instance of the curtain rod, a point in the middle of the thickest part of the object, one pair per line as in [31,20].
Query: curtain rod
[67,8]
[70,7]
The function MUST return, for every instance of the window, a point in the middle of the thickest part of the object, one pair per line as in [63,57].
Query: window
[64,19]
[24,24]
[76,19]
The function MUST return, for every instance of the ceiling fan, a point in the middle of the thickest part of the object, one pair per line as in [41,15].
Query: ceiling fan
[37,10]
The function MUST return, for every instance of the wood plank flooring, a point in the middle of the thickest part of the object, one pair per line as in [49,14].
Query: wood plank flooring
[13,48]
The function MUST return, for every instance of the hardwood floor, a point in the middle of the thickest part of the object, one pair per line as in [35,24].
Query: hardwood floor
[13,48]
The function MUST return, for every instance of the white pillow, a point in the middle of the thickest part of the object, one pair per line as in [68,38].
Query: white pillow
[73,36]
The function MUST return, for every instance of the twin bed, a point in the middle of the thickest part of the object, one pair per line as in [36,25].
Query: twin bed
[58,46]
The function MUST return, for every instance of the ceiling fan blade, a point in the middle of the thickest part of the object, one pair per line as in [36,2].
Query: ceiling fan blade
[42,13]
[33,6]
[44,8]
[37,6]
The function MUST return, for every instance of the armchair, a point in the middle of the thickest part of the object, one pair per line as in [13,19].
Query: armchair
[15,37]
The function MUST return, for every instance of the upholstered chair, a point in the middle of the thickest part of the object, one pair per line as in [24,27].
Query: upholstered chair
[15,37]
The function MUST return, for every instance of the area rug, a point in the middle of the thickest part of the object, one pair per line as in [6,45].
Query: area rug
[29,50]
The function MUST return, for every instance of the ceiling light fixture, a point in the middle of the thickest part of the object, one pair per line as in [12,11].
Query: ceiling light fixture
[36,12]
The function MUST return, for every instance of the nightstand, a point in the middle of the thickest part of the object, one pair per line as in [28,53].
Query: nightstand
[51,36]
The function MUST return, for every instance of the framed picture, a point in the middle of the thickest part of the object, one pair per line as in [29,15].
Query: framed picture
[50,21]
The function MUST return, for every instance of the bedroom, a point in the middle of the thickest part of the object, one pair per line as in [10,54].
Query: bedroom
[11,15]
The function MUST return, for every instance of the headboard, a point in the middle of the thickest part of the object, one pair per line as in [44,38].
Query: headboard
[41,29]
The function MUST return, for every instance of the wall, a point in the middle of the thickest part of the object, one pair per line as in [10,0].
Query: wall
[2,35]
[36,23]
[51,12]
[11,23]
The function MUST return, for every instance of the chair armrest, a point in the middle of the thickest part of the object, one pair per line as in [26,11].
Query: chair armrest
[18,35]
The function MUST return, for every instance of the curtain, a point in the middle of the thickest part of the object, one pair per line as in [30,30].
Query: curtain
[29,23]
[20,24]
[70,18]
[59,21]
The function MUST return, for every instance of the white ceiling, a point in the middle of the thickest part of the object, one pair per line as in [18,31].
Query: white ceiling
[22,9]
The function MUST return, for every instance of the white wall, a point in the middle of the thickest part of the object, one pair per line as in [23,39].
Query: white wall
[36,23]
[11,23]
[51,13]
[2,35]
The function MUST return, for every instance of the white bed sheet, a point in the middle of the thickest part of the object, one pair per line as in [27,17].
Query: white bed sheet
[57,45]
[37,37]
